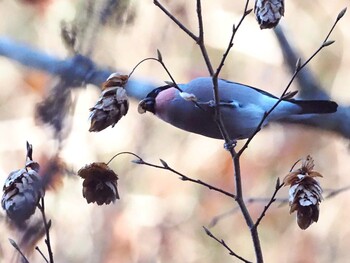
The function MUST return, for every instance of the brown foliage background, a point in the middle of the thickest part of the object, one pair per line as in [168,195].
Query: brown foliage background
[159,218]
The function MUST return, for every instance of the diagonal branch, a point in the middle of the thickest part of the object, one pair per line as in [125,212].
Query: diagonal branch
[183,177]
[176,21]
[298,68]
[272,200]
[223,243]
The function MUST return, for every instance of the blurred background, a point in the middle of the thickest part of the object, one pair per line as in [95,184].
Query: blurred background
[159,218]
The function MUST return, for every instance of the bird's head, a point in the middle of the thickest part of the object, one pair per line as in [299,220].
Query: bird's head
[149,103]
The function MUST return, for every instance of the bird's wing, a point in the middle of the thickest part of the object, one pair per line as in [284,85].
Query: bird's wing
[258,90]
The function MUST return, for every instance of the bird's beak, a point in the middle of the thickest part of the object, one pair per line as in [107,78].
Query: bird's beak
[147,104]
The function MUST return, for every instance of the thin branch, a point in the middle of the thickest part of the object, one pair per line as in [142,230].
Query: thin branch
[159,60]
[165,166]
[221,216]
[183,177]
[200,40]
[201,44]
[309,86]
[219,122]
[42,254]
[250,200]
[228,142]
[298,68]
[14,244]
[230,44]
[330,194]
[223,243]
[335,192]
[121,153]
[272,200]
[240,201]
[47,225]
[174,19]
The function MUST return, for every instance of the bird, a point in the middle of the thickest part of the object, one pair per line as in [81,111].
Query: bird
[191,107]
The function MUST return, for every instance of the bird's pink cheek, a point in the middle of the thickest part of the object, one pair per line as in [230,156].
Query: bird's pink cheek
[163,101]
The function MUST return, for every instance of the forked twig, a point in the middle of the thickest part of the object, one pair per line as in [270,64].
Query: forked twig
[272,200]
[47,225]
[183,177]
[218,118]
[165,166]
[298,68]
[223,243]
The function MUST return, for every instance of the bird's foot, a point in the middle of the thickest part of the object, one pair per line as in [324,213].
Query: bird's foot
[211,104]
[230,145]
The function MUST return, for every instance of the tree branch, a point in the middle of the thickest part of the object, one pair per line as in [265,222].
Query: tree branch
[223,243]
[47,225]
[297,68]
[183,177]
[272,200]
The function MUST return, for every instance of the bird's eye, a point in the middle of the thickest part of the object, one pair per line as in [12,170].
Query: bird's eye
[147,104]
[141,108]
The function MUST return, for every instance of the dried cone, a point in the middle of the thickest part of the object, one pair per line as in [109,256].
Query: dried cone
[268,12]
[305,193]
[100,183]
[112,105]
[22,191]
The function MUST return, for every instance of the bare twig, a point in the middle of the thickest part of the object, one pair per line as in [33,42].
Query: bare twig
[177,22]
[47,225]
[230,44]
[272,200]
[165,166]
[248,201]
[14,244]
[221,216]
[229,144]
[330,193]
[183,177]
[335,192]
[42,254]
[240,201]
[223,243]
[159,60]
[298,68]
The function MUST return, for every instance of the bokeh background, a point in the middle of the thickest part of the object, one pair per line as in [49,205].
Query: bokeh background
[159,218]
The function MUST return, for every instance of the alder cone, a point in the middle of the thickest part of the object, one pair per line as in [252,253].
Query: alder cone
[22,192]
[100,183]
[112,105]
[268,12]
[305,193]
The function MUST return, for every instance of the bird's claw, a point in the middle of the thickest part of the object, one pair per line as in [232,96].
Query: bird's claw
[230,145]
[212,104]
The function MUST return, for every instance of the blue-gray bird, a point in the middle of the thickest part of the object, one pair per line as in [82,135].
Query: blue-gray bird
[242,107]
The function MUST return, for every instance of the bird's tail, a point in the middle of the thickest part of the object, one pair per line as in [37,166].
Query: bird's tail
[316,106]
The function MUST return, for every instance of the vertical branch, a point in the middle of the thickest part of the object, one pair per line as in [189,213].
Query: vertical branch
[200,40]
[240,201]
[201,44]
[47,225]
[229,144]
